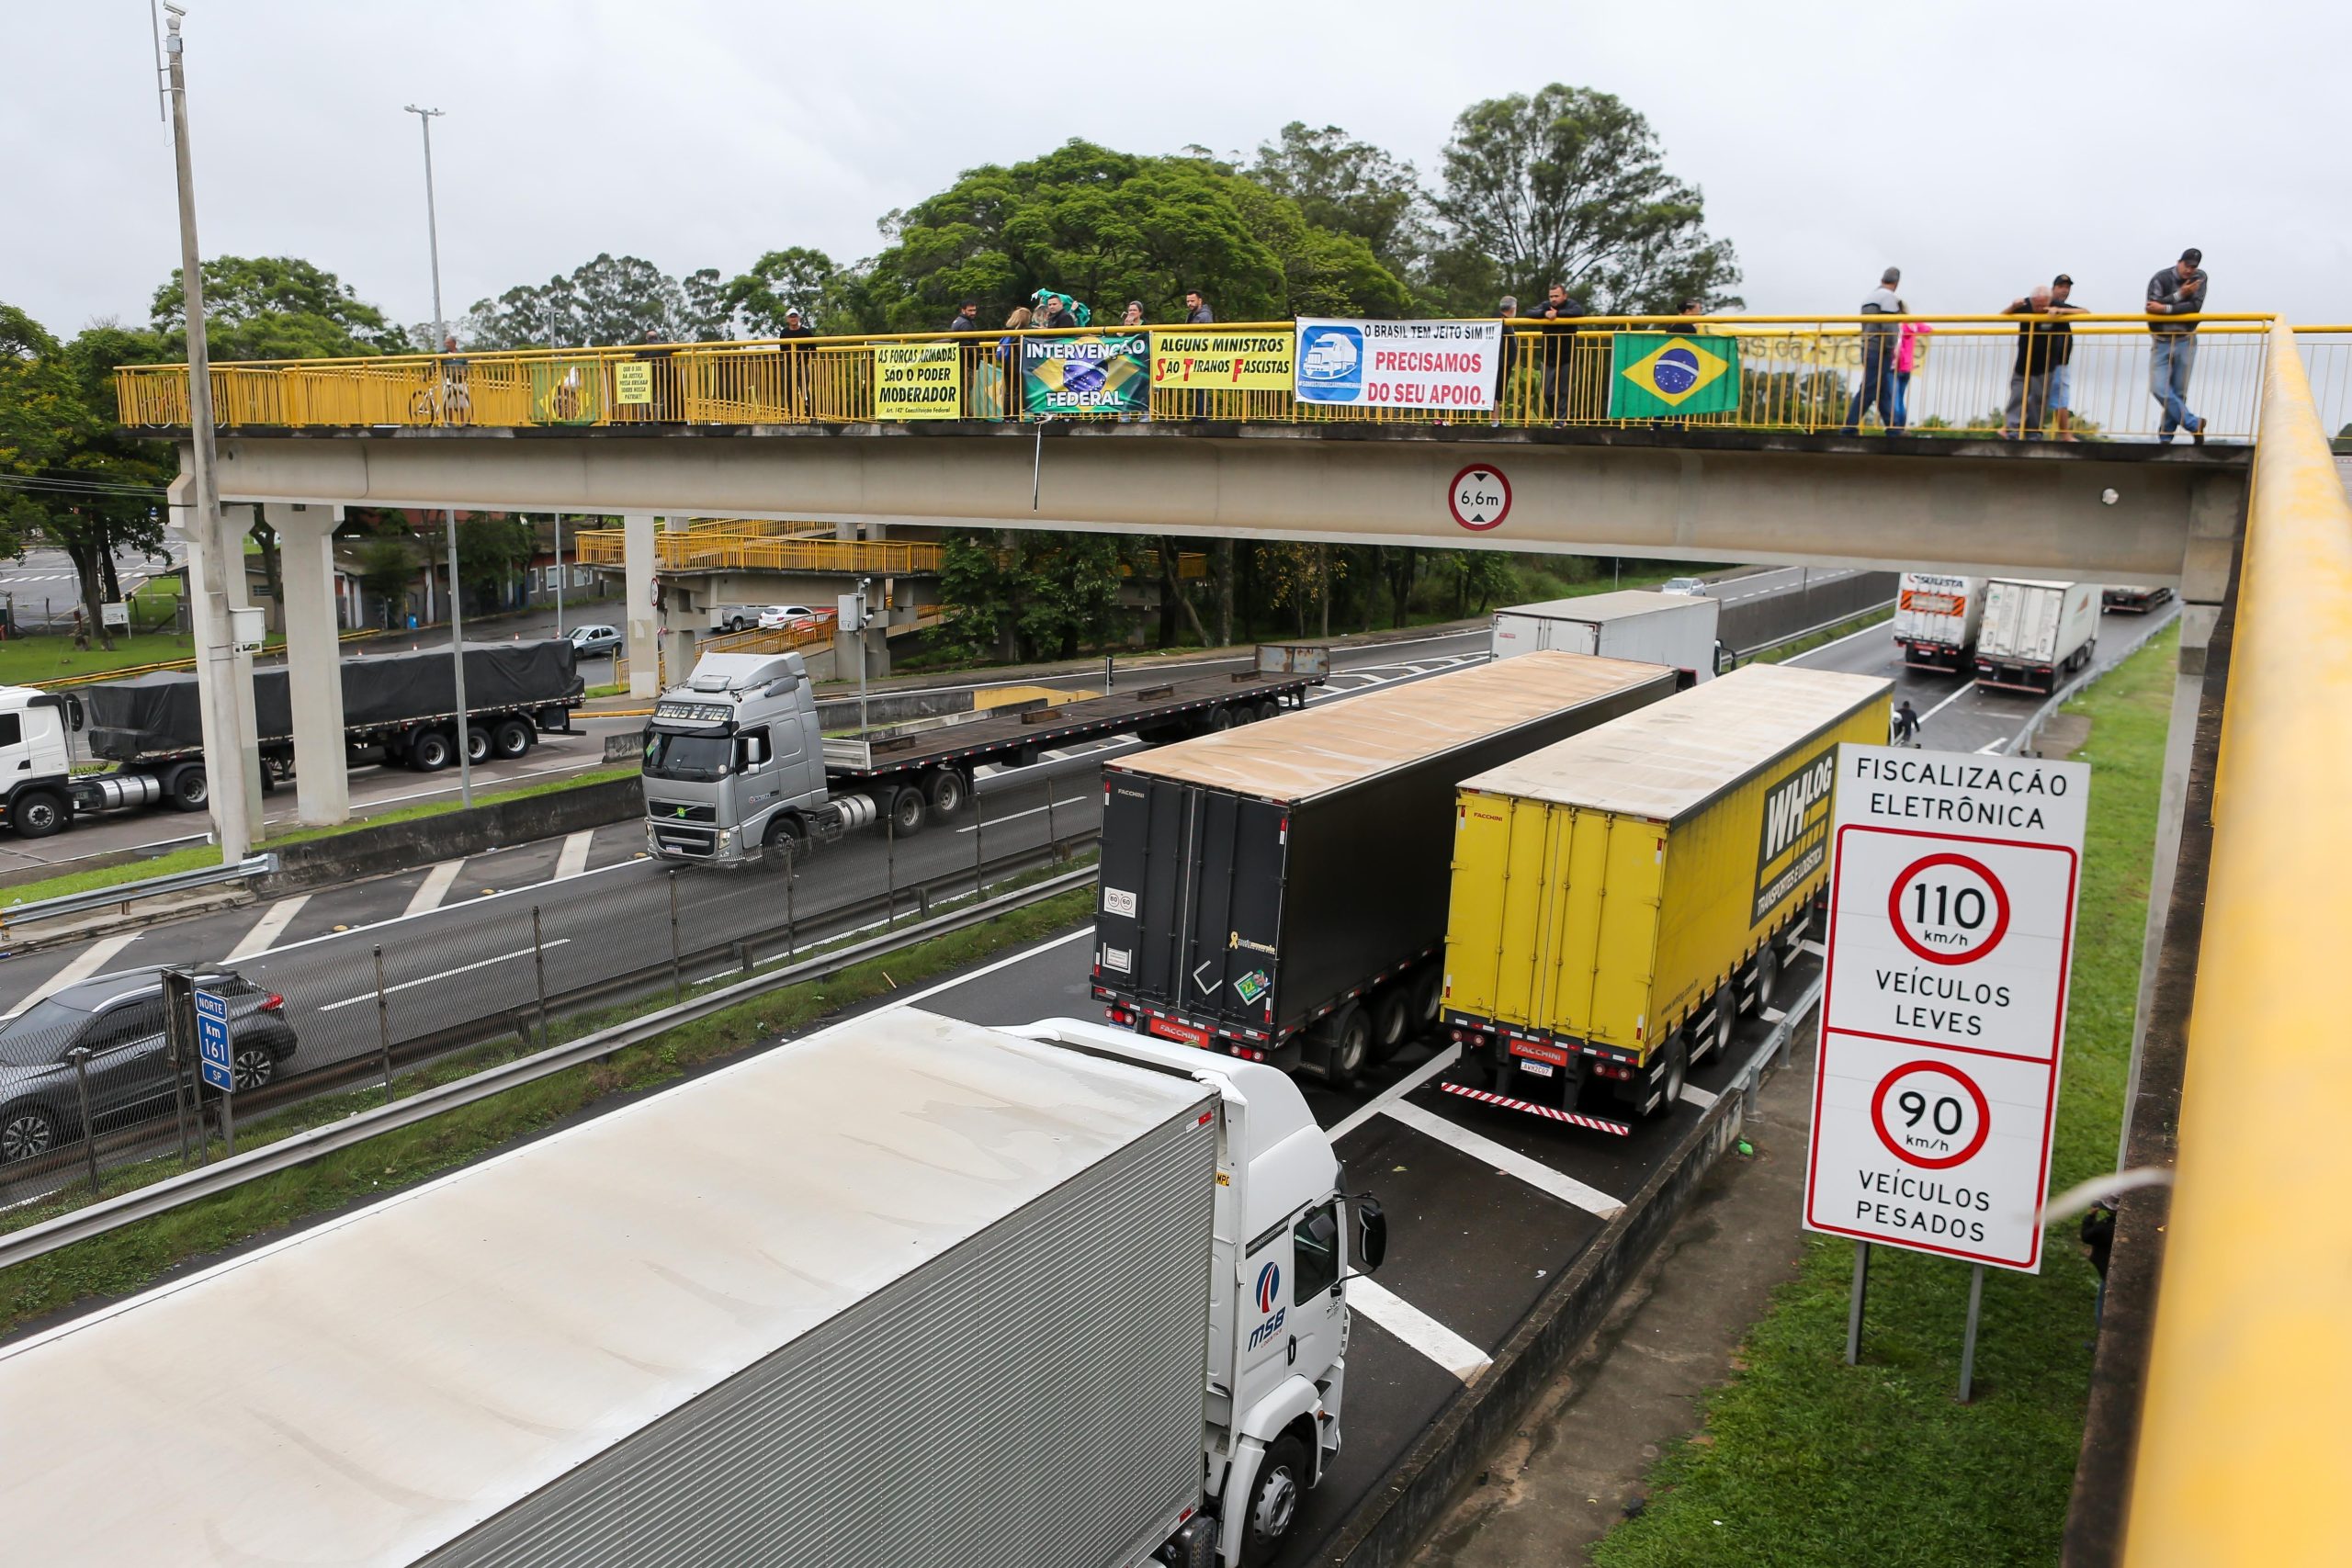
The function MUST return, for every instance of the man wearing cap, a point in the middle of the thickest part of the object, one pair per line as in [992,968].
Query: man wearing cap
[2177,291]
[1878,357]
[800,362]
[2061,355]
[2029,381]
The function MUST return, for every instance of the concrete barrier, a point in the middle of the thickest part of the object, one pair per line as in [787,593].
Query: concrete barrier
[423,840]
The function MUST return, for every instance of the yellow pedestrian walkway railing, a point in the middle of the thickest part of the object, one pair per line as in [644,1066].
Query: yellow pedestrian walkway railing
[2244,1444]
[1775,373]
[698,549]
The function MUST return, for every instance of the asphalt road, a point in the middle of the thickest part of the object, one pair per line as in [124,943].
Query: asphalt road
[44,589]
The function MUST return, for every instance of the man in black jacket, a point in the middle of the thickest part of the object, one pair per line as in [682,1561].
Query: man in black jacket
[1558,313]
[800,363]
[2177,291]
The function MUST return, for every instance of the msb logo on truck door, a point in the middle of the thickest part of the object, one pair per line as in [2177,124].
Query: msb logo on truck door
[1795,841]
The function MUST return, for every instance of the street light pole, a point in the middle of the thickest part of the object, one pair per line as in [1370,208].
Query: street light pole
[440,338]
[226,795]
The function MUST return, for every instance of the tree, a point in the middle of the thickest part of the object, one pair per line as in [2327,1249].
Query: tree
[1049,595]
[275,308]
[611,301]
[387,565]
[1568,186]
[794,280]
[1350,187]
[1106,227]
[491,547]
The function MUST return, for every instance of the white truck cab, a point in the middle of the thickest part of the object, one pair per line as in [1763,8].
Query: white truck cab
[35,766]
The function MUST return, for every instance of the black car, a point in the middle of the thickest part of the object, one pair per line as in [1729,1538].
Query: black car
[120,1018]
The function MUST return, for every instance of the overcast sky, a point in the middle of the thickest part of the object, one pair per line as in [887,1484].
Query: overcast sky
[1982,148]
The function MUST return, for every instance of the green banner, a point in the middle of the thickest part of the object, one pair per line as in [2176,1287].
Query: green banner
[1669,375]
[567,391]
[1092,373]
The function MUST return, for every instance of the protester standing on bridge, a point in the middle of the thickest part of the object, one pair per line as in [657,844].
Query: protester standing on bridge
[798,363]
[994,380]
[1198,314]
[2062,361]
[1558,313]
[967,318]
[1879,342]
[2177,291]
[1907,359]
[2028,406]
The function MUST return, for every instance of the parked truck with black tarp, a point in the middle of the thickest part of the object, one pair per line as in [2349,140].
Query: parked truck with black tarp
[1619,899]
[402,705]
[1279,893]
[906,1293]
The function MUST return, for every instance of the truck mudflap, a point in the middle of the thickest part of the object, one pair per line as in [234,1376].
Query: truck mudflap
[1573,1118]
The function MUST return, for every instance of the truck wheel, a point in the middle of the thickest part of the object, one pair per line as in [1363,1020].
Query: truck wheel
[430,751]
[26,1131]
[1273,1500]
[907,812]
[1727,1020]
[1429,991]
[1220,718]
[1678,1072]
[1767,975]
[950,792]
[477,745]
[37,814]
[1392,1021]
[510,738]
[1347,1042]
[785,840]
[1267,710]
[189,789]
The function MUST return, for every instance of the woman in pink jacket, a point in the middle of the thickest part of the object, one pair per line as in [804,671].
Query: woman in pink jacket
[1906,356]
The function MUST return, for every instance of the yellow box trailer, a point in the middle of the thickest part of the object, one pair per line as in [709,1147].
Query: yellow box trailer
[1618,898]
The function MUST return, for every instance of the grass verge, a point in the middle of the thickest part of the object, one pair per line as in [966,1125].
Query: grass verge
[197,857]
[1803,1460]
[30,661]
[138,1255]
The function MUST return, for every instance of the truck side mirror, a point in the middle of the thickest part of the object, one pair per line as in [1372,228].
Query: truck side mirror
[1372,1234]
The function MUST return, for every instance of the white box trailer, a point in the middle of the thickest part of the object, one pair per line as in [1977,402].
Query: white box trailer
[1936,620]
[1647,627]
[909,1292]
[2035,633]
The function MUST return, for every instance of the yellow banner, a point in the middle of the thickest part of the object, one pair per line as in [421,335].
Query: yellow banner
[633,381]
[1207,357]
[917,380]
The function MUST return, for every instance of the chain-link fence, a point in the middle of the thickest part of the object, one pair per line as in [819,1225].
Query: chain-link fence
[90,1078]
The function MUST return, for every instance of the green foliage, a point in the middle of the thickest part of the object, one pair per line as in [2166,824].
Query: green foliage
[275,308]
[1352,188]
[796,278]
[1107,227]
[388,564]
[610,300]
[1047,596]
[491,548]
[1567,186]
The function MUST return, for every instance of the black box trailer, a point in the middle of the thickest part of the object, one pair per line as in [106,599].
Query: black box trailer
[1279,892]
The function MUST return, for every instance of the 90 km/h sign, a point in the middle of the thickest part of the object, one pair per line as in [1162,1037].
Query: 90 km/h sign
[1951,922]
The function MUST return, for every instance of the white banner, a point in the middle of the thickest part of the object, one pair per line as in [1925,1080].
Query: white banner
[1399,365]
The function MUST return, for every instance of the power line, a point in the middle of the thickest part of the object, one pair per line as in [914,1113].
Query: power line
[81,487]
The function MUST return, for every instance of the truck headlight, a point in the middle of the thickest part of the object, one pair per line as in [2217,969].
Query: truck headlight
[726,837]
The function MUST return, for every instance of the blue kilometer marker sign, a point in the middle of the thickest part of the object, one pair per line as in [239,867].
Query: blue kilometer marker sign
[212,1041]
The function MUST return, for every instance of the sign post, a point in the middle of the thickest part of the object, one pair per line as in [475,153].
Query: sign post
[1943,1013]
[214,1060]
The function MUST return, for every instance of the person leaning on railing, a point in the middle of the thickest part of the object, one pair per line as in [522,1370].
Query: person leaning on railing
[2177,291]
[1558,313]
[1878,357]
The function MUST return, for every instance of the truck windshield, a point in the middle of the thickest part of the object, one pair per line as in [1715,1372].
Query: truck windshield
[686,756]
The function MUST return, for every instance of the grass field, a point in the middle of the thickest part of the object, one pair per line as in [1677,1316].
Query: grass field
[30,661]
[138,1254]
[1806,1463]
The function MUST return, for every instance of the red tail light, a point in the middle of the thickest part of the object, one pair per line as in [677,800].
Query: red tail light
[274,1003]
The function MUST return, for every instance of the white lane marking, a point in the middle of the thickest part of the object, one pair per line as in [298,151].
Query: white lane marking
[434,888]
[1875,627]
[1393,1093]
[1939,707]
[1026,953]
[1994,746]
[1815,948]
[269,928]
[574,859]
[94,957]
[444,975]
[1507,1160]
[1703,1099]
[1033,811]
[1417,1328]
[1774,1015]
[530,887]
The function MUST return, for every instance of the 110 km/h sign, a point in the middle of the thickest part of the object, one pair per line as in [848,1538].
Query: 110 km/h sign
[1951,921]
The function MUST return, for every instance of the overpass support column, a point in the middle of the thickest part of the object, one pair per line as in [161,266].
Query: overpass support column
[678,615]
[643,623]
[313,659]
[225,746]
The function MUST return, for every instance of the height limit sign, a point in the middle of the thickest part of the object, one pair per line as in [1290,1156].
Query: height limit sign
[1951,925]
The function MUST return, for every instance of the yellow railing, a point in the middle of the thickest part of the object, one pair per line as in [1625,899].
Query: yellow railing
[1795,374]
[2327,360]
[2244,1446]
[698,549]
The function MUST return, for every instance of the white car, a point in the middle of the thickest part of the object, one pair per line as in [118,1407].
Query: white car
[775,617]
[1694,586]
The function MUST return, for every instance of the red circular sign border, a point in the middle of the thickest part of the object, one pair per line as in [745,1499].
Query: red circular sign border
[1903,933]
[1983,1115]
[1455,486]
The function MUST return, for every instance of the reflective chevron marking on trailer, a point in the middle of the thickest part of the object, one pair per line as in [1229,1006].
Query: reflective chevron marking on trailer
[1486,1098]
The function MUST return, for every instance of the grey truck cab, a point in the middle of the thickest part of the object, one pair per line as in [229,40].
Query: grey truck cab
[735,764]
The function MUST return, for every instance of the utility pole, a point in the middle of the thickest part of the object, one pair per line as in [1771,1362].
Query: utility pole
[558,574]
[226,795]
[425,117]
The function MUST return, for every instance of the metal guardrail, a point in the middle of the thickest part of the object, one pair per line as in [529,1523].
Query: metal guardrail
[224,1175]
[1789,373]
[1850,615]
[123,894]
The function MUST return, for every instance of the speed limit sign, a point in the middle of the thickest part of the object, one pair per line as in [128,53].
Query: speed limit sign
[1943,1013]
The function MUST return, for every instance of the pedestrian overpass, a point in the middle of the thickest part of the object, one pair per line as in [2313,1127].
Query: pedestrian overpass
[2216,1423]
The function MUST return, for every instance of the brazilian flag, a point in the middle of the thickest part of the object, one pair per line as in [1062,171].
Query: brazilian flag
[1672,376]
